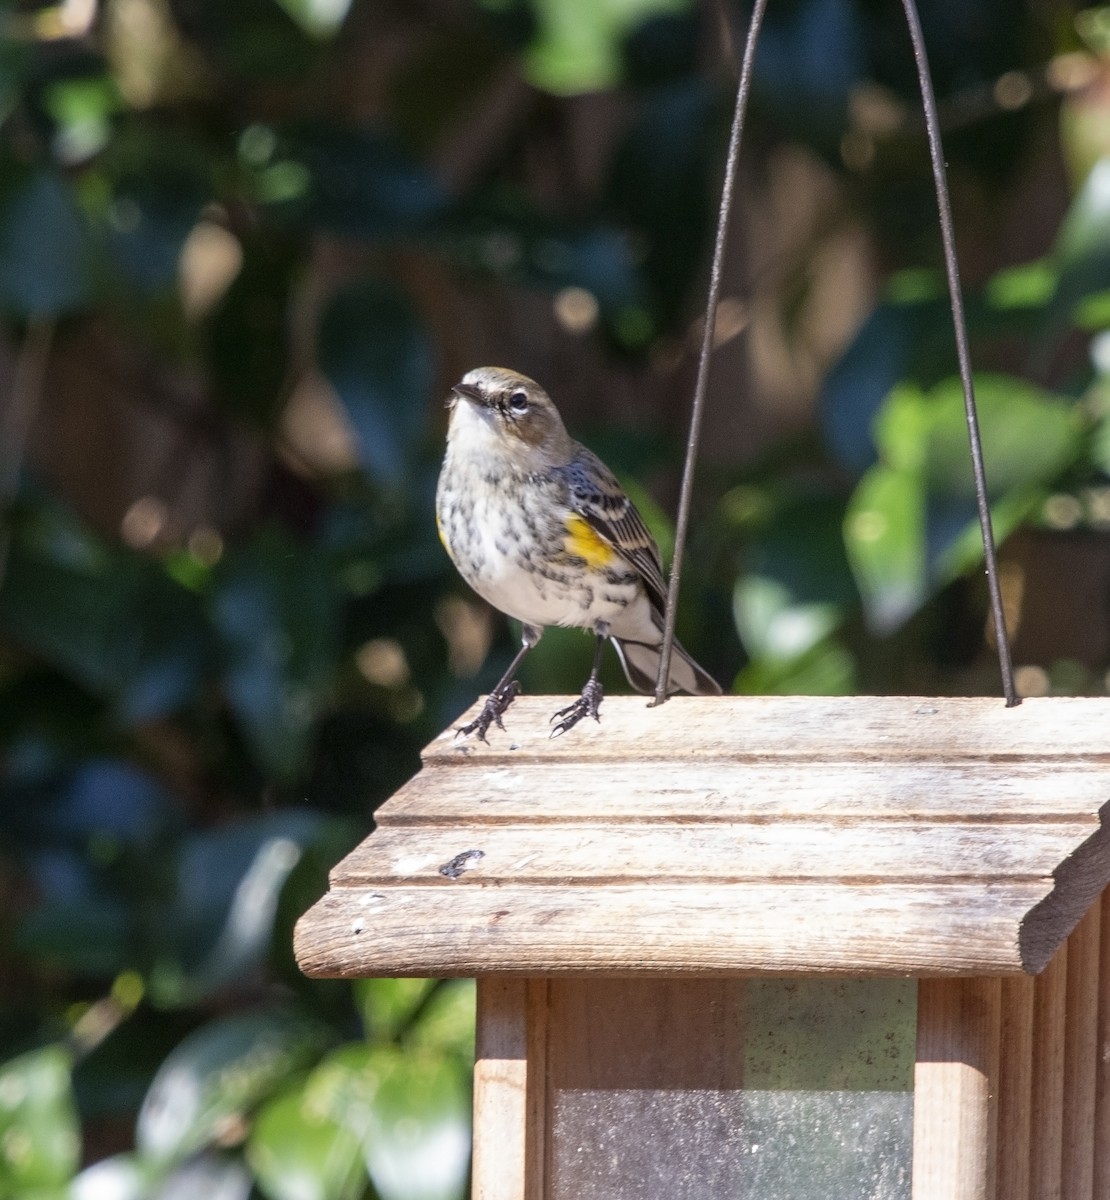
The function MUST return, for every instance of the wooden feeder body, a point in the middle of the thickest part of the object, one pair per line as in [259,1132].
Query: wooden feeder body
[743,946]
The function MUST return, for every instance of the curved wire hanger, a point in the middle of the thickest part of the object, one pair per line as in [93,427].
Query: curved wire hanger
[951,266]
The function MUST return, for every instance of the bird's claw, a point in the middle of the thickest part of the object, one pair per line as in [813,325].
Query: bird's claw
[493,710]
[587,705]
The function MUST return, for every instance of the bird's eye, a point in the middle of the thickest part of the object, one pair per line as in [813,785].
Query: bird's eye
[518,402]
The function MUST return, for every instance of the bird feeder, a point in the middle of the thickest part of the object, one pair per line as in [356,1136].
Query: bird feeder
[775,947]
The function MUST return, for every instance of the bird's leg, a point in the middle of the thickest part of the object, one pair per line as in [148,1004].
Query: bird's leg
[507,690]
[589,702]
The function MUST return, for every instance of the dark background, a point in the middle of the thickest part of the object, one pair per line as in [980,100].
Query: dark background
[245,248]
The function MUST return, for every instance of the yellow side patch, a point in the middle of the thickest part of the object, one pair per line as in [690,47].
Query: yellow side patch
[583,541]
[439,530]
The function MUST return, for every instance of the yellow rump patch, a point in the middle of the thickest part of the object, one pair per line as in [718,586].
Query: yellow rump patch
[583,541]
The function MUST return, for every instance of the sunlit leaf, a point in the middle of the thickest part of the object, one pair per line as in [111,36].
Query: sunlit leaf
[120,1177]
[578,43]
[299,1153]
[796,587]
[884,532]
[827,669]
[772,626]
[39,1136]
[229,882]
[321,18]
[1025,286]
[411,1111]
[388,1005]
[447,1022]
[216,1076]
[911,523]
[1082,250]
[128,1177]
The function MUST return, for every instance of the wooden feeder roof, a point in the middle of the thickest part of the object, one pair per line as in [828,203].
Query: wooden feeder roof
[736,835]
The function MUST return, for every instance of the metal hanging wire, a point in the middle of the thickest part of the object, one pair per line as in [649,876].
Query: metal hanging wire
[944,208]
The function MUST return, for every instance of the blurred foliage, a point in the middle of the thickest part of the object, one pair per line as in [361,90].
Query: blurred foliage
[244,248]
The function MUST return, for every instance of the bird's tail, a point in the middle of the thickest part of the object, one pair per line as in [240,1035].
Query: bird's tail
[641,665]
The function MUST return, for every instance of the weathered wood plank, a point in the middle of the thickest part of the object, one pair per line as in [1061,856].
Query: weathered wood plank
[1081,1059]
[958,1025]
[1015,1090]
[1102,1058]
[477,792]
[877,728]
[807,928]
[501,1090]
[908,852]
[1046,1145]
[751,834]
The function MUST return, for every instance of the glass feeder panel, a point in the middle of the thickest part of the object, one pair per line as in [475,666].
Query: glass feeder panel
[773,1089]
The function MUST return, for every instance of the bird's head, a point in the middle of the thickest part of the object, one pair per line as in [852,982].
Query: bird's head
[495,410]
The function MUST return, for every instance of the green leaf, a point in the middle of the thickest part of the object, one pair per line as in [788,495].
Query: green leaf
[884,533]
[410,1109]
[447,1022]
[1028,436]
[39,1134]
[127,1177]
[319,18]
[828,669]
[380,361]
[578,44]
[388,1005]
[217,1075]
[911,524]
[1082,251]
[227,898]
[298,1153]
[773,626]
[797,586]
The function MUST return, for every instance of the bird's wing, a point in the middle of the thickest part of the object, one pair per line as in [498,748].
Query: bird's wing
[600,500]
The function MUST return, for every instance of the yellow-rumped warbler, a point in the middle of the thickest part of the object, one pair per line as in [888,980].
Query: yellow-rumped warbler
[539,527]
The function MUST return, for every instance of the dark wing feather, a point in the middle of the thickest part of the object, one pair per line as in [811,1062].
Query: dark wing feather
[600,500]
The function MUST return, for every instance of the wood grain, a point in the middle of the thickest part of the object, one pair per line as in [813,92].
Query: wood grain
[807,928]
[878,728]
[736,851]
[958,1027]
[1046,1144]
[1015,1089]
[802,835]
[1102,1059]
[501,1090]
[1081,1058]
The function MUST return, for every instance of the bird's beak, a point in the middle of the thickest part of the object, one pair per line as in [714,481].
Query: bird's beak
[464,391]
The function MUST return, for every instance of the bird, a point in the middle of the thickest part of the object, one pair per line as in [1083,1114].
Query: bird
[541,529]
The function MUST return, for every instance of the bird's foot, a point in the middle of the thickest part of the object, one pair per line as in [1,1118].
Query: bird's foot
[497,702]
[586,705]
